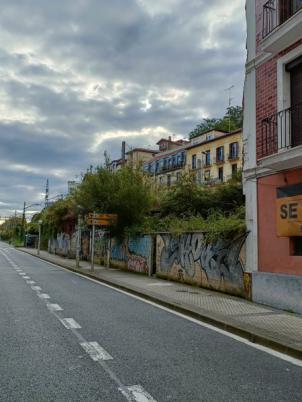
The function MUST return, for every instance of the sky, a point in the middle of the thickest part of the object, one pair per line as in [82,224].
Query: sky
[77,77]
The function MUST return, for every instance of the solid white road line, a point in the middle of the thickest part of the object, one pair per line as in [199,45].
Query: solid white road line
[54,307]
[95,351]
[43,296]
[36,288]
[237,338]
[138,393]
[70,323]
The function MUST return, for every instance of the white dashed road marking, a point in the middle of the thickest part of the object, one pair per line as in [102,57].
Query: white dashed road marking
[43,296]
[54,307]
[95,351]
[26,277]
[30,282]
[36,288]
[70,323]
[138,393]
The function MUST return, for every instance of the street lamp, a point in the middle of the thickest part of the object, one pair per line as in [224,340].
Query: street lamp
[39,240]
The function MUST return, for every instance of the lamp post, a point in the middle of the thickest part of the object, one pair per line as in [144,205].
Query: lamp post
[39,239]
[78,248]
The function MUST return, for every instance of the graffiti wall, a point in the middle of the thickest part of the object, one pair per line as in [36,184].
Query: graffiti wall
[133,254]
[188,258]
[64,245]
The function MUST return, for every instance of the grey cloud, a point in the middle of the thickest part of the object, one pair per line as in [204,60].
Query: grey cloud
[72,70]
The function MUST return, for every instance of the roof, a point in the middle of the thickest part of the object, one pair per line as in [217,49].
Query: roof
[165,154]
[149,151]
[214,139]
[177,142]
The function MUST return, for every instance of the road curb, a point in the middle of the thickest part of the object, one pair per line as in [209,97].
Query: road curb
[187,310]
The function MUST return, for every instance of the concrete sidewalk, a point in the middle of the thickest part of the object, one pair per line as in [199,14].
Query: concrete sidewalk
[261,324]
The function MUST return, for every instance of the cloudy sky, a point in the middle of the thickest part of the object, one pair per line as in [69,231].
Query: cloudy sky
[77,77]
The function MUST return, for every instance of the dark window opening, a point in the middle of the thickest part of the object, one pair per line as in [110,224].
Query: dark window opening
[220,174]
[193,161]
[296,246]
[234,170]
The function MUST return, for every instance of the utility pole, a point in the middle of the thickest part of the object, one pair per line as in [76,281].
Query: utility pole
[39,239]
[23,216]
[46,193]
[229,90]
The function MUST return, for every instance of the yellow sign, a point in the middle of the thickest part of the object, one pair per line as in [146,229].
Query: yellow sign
[99,222]
[289,216]
[102,219]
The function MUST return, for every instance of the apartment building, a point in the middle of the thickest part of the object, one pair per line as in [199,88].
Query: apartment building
[215,156]
[273,151]
[166,168]
[138,156]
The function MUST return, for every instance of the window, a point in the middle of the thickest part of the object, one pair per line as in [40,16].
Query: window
[234,170]
[207,175]
[295,70]
[208,158]
[296,246]
[220,154]
[178,176]
[169,180]
[234,150]
[220,174]
[193,161]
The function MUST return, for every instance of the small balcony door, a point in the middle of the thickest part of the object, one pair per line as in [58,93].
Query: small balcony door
[295,70]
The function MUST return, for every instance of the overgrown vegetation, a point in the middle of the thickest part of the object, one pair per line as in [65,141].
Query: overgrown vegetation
[232,120]
[143,208]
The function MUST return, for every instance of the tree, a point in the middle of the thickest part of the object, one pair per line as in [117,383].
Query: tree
[232,120]
[126,193]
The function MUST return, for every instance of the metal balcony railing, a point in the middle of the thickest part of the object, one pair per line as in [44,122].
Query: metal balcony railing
[276,12]
[282,130]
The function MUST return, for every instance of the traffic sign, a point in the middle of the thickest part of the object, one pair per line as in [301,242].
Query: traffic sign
[109,217]
[100,222]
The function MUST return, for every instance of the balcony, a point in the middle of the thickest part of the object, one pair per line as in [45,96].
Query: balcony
[233,157]
[282,24]
[219,161]
[282,135]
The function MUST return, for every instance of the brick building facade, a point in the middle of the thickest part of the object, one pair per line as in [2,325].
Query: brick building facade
[273,151]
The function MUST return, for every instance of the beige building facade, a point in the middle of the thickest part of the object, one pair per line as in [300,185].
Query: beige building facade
[215,156]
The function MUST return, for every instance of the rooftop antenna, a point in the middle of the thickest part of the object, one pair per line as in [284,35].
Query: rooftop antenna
[46,193]
[229,90]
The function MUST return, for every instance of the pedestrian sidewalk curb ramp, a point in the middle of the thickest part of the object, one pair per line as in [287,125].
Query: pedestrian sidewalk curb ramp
[185,309]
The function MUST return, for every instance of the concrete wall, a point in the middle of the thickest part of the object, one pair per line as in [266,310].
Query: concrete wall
[134,254]
[281,291]
[64,245]
[275,252]
[187,258]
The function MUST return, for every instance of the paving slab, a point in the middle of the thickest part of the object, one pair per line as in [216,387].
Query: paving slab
[261,324]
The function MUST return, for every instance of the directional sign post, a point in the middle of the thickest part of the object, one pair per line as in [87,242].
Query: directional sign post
[94,220]
[92,242]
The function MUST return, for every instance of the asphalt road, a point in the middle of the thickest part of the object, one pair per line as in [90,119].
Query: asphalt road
[66,338]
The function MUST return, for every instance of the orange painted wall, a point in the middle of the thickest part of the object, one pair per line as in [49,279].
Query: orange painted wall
[274,252]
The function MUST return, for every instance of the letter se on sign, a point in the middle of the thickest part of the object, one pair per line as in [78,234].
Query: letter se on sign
[289,216]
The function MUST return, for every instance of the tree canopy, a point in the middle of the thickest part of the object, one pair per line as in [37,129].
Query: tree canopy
[232,120]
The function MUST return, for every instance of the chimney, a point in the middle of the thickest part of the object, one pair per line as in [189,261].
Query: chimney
[123,151]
